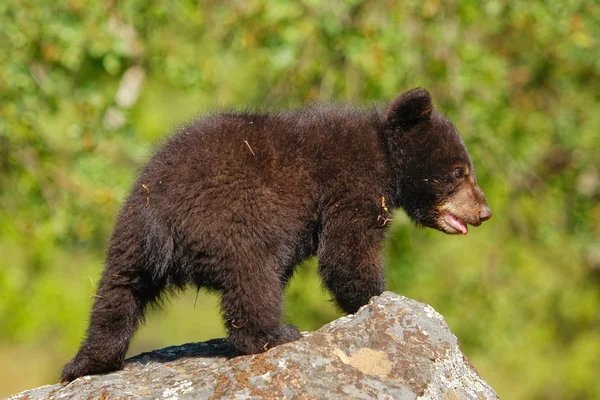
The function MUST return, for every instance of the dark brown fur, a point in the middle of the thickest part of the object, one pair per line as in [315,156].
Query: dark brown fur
[235,201]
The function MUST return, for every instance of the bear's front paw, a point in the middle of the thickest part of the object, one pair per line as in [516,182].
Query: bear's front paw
[83,365]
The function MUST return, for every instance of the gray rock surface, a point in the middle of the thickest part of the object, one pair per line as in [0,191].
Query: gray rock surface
[393,348]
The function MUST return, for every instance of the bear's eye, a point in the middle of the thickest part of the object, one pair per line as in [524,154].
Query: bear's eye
[458,173]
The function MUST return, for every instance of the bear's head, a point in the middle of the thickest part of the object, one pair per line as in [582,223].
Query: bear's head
[434,178]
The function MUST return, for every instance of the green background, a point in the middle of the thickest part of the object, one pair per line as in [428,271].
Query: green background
[520,79]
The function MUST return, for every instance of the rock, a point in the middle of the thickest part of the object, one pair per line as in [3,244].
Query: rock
[393,348]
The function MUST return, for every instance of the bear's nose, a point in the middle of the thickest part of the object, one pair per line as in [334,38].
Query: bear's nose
[485,213]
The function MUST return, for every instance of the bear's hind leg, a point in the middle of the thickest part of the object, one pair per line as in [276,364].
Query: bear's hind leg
[252,303]
[118,309]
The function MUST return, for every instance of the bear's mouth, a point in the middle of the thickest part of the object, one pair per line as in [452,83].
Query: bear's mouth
[455,223]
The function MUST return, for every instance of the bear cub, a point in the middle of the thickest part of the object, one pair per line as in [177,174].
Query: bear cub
[233,202]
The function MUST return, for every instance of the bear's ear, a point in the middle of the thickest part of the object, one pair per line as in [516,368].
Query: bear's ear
[409,108]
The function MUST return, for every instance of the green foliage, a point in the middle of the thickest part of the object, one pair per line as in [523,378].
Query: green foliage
[519,79]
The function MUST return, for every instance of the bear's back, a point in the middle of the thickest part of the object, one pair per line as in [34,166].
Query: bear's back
[320,143]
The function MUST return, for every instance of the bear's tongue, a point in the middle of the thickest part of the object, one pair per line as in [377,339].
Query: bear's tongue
[455,223]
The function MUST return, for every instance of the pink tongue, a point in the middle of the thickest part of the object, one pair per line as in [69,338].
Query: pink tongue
[456,223]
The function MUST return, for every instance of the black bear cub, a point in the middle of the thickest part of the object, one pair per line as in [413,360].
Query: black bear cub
[233,202]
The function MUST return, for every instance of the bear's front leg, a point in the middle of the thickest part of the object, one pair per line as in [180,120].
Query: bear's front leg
[349,254]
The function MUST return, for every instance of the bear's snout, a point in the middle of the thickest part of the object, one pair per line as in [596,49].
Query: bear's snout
[485,213]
